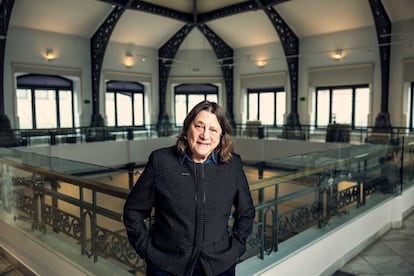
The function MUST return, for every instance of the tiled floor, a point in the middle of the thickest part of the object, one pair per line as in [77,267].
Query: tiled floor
[391,255]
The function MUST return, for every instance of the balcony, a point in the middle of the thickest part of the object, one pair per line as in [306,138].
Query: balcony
[57,211]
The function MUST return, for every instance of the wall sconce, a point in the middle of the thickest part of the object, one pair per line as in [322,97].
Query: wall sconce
[261,63]
[50,55]
[338,55]
[129,60]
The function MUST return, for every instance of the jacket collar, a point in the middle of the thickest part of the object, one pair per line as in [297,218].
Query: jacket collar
[211,159]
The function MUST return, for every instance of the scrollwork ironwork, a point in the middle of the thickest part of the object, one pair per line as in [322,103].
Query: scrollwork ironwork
[116,246]
[62,221]
[290,223]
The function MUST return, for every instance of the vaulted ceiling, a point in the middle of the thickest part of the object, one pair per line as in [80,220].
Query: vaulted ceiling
[249,26]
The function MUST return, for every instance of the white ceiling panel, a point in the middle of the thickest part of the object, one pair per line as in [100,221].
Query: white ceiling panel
[305,18]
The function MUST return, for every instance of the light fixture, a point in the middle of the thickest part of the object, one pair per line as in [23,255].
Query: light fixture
[338,55]
[261,63]
[50,55]
[128,60]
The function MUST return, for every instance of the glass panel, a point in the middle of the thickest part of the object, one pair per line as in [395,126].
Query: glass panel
[110,108]
[361,107]
[253,107]
[267,108]
[139,109]
[280,108]
[322,108]
[24,108]
[342,106]
[180,109]
[65,107]
[45,102]
[124,109]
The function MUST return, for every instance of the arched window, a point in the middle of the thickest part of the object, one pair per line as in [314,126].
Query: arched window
[124,103]
[45,101]
[186,96]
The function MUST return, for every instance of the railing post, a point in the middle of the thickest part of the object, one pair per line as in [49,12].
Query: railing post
[261,213]
[52,135]
[321,202]
[55,207]
[276,220]
[93,228]
[82,218]
[36,206]
[401,171]
[130,133]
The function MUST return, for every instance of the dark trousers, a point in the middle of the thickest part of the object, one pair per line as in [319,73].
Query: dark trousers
[153,270]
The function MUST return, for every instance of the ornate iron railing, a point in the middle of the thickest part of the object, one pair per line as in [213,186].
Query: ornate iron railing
[89,212]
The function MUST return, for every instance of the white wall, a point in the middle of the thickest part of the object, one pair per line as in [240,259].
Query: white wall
[25,46]
[28,47]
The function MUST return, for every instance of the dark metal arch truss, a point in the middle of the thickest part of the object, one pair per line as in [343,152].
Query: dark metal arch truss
[290,43]
[8,136]
[6,7]
[166,55]
[225,53]
[162,11]
[383,27]
[99,42]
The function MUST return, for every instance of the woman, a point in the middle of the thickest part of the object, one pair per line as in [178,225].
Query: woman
[192,187]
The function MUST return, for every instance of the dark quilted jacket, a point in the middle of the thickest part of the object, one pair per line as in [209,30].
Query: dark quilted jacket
[192,203]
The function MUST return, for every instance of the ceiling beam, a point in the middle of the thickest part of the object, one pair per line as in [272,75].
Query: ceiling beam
[161,11]
[250,5]
[227,11]
[119,3]
[195,17]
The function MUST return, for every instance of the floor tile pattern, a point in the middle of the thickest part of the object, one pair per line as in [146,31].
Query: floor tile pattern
[391,255]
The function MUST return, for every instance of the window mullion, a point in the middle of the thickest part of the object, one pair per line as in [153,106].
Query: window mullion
[57,101]
[34,124]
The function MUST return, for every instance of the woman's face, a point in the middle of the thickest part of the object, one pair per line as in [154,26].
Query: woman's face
[203,135]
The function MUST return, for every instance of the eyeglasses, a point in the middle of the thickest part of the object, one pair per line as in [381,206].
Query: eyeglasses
[202,128]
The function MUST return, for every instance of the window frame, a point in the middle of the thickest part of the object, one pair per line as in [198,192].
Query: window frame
[191,89]
[259,91]
[129,88]
[38,82]
[331,90]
